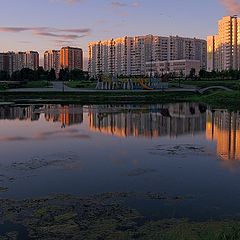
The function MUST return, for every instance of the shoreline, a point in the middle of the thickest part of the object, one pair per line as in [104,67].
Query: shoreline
[218,99]
[102,216]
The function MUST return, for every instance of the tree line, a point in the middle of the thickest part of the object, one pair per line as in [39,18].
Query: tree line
[226,74]
[40,74]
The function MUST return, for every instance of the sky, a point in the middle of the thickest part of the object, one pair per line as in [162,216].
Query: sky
[50,24]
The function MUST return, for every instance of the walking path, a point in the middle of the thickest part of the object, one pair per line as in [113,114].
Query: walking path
[60,87]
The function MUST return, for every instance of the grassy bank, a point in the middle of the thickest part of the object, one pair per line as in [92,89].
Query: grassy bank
[37,84]
[220,99]
[233,84]
[81,84]
[101,217]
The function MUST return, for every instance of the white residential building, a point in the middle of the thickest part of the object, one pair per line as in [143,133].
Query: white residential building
[176,67]
[12,61]
[223,48]
[52,60]
[129,55]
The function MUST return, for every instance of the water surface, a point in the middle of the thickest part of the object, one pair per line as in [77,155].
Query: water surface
[180,160]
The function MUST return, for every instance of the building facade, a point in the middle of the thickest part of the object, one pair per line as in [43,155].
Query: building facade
[71,58]
[52,60]
[129,55]
[223,48]
[11,61]
[176,67]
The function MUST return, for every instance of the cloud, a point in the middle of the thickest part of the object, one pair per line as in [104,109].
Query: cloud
[64,36]
[50,32]
[77,30]
[18,29]
[68,1]
[118,4]
[232,6]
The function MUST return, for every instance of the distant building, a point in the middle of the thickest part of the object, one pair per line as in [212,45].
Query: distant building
[71,58]
[129,55]
[4,62]
[12,61]
[32,60]
[177,67]
[223,48]
[52,60]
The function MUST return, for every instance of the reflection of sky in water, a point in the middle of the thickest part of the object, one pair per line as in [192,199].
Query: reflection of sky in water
[86,158]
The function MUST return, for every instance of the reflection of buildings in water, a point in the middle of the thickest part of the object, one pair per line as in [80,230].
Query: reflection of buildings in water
[224,128]
[153,121]
[19,113]
[67,115]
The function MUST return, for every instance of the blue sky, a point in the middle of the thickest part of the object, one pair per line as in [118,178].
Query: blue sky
[49,24]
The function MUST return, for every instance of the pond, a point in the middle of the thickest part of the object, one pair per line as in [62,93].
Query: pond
[174,160]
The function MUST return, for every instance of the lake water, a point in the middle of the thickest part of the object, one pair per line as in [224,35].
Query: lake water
[182,152]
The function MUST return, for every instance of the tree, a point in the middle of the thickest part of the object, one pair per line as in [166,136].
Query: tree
[4,76]
[51,75]
[64,74]
[203,73]
[16,76]
[76,75]
[26,74]
[192,73]
[40,74]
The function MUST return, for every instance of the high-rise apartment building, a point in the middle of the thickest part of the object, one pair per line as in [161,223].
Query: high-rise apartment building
[129,55]
[12,61]
[32,60]
[4,62]
[223,48]
[52,60]
[71,58]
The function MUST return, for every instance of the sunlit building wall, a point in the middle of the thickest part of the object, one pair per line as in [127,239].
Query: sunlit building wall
[129,55]
[71,58]
[223,48]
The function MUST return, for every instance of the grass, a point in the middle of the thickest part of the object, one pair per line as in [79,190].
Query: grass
[37,84]
[216,99]
[81,84]
[184,230]
[3,87]
[220,99]
[233,84]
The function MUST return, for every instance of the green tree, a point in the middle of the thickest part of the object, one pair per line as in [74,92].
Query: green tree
[26,74]
[64,74]
[4,76]
[77,75]
[52,75]
[192,73]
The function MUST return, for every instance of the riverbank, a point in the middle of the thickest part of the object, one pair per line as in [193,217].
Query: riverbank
[102,216]
[219,99]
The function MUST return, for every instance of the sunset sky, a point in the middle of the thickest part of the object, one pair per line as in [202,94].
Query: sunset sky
[50,24]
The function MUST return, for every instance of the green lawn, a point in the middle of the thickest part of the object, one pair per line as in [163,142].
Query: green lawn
[37,84]
[81,84]
[3,87]
[233,84]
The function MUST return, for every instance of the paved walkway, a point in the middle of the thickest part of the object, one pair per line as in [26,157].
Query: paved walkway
[60,87]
